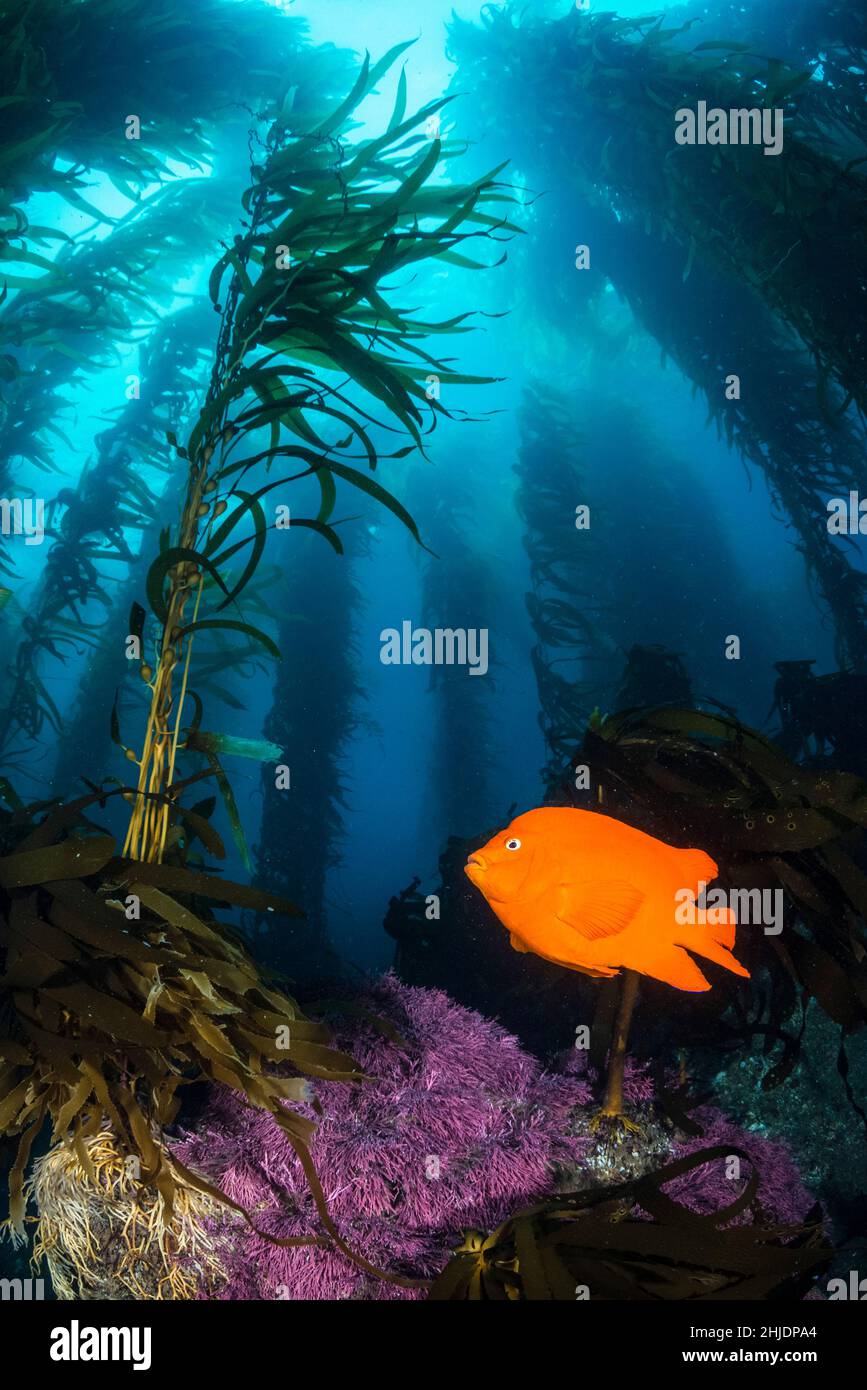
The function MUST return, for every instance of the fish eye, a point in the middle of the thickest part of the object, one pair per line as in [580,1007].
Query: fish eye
[513,844]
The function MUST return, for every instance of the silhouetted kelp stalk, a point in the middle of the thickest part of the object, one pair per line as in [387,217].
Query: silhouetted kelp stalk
[564,603]
[708,316]
[591,468]
[457,579]
[299,837]
[619,83]
[777,425]
[111,498]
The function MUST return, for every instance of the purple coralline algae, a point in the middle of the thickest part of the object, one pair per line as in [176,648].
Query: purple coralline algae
[458,1129]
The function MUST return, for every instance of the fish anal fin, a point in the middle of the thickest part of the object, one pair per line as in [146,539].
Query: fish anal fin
[599,908]
[516,943]
[714,943]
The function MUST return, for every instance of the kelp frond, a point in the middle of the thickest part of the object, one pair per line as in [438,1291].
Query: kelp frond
[120,987]
[301,298]
[600,1244]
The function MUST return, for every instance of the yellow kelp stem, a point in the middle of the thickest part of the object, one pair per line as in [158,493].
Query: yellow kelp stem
[149,822]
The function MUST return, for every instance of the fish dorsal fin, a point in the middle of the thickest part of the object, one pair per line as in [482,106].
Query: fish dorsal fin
[599,907]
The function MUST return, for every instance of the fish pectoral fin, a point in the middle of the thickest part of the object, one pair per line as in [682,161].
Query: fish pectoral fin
[516,943]
[600,907]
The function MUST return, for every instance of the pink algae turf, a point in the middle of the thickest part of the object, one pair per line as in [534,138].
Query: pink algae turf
[458,1129]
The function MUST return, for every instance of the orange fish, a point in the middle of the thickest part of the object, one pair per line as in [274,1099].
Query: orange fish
[592,894]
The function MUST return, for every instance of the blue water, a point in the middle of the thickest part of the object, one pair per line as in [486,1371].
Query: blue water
[392,827]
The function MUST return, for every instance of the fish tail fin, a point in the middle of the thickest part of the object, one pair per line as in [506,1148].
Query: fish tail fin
[714,941]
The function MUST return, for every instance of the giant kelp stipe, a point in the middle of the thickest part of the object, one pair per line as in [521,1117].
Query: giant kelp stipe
[403,431]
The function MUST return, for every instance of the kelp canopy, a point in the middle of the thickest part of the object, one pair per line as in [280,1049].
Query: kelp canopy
[74,70]
[71,306]
[619,81]
[734,268]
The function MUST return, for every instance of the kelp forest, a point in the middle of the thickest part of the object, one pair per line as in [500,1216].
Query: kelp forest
[433,804]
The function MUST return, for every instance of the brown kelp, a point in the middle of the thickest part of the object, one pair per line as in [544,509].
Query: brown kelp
[286,316]
[119,985]
[633,1241]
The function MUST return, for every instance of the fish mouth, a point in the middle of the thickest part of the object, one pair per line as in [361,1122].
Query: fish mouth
[474,867]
